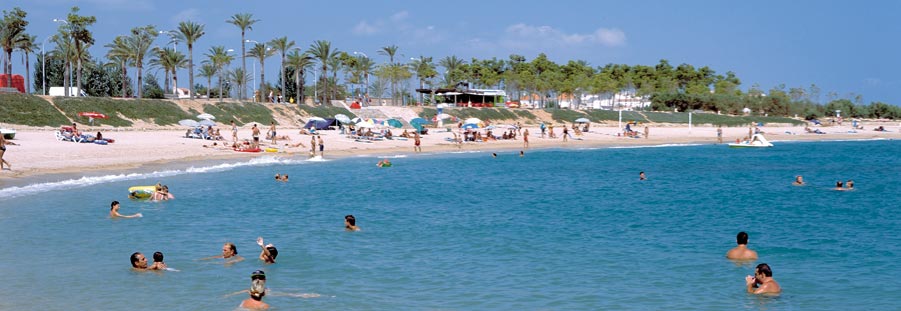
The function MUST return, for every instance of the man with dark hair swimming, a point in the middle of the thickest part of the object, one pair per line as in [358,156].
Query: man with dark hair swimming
[138,261]
[114,211]
[741,252]
[350,223]
[762,282]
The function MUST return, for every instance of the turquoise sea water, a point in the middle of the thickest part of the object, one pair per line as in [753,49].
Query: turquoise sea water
[554,230]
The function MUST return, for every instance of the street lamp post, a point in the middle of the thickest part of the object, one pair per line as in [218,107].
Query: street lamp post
[254,73]
[66,92]
[44,67]
[366,100]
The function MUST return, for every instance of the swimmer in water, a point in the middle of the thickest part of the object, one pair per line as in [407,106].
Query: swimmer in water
[158,263]
[257,291]
[138,261]
[762,282]
[799,181]
[641,176]
[741,252]
[350,223]
[494,155]
[229,253]
[521,153]
[850,184]
[114,211]
[268,252]
[839,186]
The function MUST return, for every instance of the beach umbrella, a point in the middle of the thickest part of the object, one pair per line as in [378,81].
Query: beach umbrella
[316,119]
[442,116]
[189,123]
[207,122]
[365,124]
[513,127]
[582,120]
[472,121]
[93,115]
[419,121]
[417,126]
[206,116]
[356,120]
[393,123]
[490,127]
[342,118]
[470,126]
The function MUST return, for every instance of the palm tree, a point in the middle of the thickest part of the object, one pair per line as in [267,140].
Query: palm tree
[335,63]
[282,45]
[322,50]
[238,75]
[244,21]
[261,52]
[83,38]
[452,64]
[138,44]
[220,58]
[208,71]
[12,26]
[424,69]
[300,62]
[169,60]
[64,51]
[120,53]
[26,44]
[367,66]
[390,51]
[189,32]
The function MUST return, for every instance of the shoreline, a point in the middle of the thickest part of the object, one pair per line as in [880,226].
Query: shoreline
[39,157]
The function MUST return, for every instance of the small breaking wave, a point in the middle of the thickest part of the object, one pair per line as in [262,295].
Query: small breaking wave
[85,181]
[656,146]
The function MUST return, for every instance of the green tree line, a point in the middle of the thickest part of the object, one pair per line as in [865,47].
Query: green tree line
[341,74]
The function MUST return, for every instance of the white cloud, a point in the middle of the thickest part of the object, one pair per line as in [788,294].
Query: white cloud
[521,34]
[185,15]
[399,16]
[365,28]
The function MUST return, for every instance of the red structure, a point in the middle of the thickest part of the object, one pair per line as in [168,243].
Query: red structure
[18,82]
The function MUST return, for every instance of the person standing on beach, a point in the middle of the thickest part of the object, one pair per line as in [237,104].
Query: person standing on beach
[272,132]
[565,132]
[416,142]
[750,130]
[3,144]
[647,132]
[312,146]
[762,282]
[234,132]
[719,134]
[321,146]
[525,139]
[256,136]
[741,252]
[543,128]
[114,211]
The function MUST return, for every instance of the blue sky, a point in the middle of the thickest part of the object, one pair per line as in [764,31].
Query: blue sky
[849,47]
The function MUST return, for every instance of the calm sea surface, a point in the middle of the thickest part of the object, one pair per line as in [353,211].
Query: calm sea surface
[554,230]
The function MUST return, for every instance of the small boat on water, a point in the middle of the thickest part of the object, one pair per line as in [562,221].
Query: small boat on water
[757,141]
[8,133]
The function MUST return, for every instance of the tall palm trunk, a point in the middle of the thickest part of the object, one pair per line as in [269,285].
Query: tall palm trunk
[282,77]
[220,85]
[297,86]
[209,84]
[124,78]
[27,76]
[191,71]
[67,81]
[300,88]
[78,76]
[324,78]
[242,93]
[8,67]
[140,80]
[175,82]
[166,84]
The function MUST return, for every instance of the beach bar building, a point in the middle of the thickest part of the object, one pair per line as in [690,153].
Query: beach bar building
[469,97]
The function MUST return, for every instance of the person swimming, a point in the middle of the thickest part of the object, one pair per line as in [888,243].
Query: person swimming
[268,252]
[257,292]
[839,186]
[350,223]
[642,176]
[850,184]
[158,263]
[799,181]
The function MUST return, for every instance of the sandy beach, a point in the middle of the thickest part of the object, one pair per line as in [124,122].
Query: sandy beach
[38,152]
